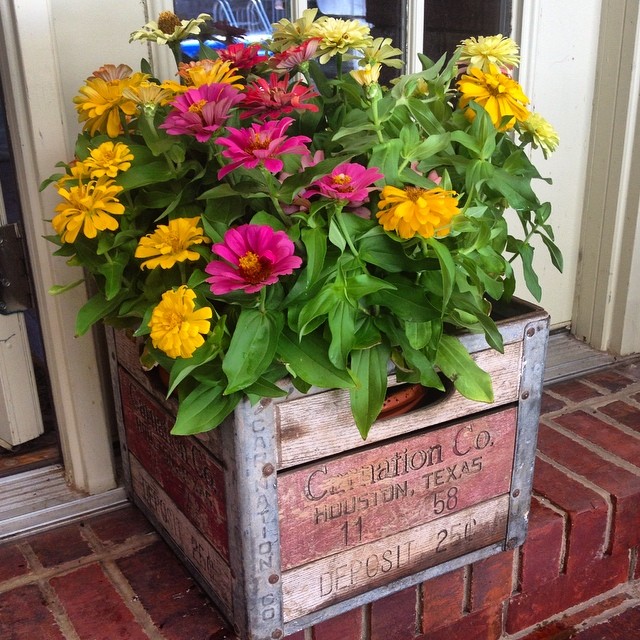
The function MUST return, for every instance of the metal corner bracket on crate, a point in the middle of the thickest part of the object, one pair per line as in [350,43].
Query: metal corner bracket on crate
[287,518]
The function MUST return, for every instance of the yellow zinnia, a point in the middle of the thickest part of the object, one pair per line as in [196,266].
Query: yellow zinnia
[367,75]
[170,243]
[411,211]
[497,93]
[108,159]
[176,325]
[542,133]
[489,50]
[101,104]
[196,74]
[88,208]
[339,36]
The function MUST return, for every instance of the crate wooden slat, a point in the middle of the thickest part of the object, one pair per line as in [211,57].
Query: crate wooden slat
[286,517]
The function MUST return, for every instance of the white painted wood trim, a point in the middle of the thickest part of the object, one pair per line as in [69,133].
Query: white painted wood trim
[607,294]
[35,113]
[415,34]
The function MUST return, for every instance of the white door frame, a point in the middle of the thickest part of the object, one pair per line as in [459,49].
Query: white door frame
[35,115]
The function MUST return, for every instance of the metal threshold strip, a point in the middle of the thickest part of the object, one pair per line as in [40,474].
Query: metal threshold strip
[39,499]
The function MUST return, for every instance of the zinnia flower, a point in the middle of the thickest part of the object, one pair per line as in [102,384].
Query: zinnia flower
[170,243]
[101,102]
[485,51]
[201,72]
[380,51]
[542,133]
[260,144]
[287,34]
[169,28]
[176,325]
[256,256]
[295,57]
[201,111]
[411,211]
[242,56]
[275,98]
[498,94]
[88,208]
[108,159]
[348,182]
[338,36]
[148,95]
[366,75]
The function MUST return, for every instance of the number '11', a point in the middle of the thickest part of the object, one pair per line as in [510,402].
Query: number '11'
[353,532]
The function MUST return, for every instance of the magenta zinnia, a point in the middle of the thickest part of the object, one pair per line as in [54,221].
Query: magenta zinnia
[176,325]
[170,243]
[272,99]
[350,182]
[255,255]
[201,111]
[295,57]
[261,144]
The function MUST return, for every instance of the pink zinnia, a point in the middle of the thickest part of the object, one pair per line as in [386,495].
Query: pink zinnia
[293,57]
[350,182]
[201,111]
[256,256]
[274,98]
[261,144]
[241,56]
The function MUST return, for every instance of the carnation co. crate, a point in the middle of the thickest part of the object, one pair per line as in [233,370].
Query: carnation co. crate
[286,517]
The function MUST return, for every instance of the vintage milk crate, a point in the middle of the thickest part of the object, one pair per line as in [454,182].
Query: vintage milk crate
[286,517]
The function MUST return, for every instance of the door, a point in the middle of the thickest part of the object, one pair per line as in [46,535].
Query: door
[20,416]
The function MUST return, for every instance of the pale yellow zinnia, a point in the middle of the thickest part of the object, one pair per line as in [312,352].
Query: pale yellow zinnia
[176,325]
[170,243]
[498,94]
[287,34]
[87,208]
[109,159]
[381,51]
[542,133]
[484,51]
[169,28]
[415,211]
[338,36]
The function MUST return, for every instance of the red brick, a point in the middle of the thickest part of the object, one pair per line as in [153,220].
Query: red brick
[298,635]
[549,403]
[587,512]
[604,435]
[636,397]
[443,599]
[623,487]
[564,628]
[485,624]
[624,413]
[24,615]
[59,545]
[120,525]
[176,605]
[541,553]
[12,563]
[347,626]
[394,617]
[567,590]
[94,607]
[621,627]
[491,580]
[610,379]
[574,390]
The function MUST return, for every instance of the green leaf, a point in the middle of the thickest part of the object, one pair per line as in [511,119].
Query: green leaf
[112,272]
[95,309]
[342,323]
[406,300]
[530,277]
[252,347]
[319,305]
[370,369]
[203,409]
[468,378]
[308,359]
[315,242]
[335,235]
[554,252]
[57,289]
[447,269]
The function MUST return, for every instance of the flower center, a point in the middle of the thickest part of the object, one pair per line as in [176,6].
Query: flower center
[197,107]
[168,21]
[258,142]
[414,193]
[341,179]
[253,268]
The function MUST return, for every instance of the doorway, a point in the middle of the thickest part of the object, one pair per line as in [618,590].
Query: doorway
[28,428]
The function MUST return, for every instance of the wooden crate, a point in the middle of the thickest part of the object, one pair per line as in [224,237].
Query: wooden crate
[286,517]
